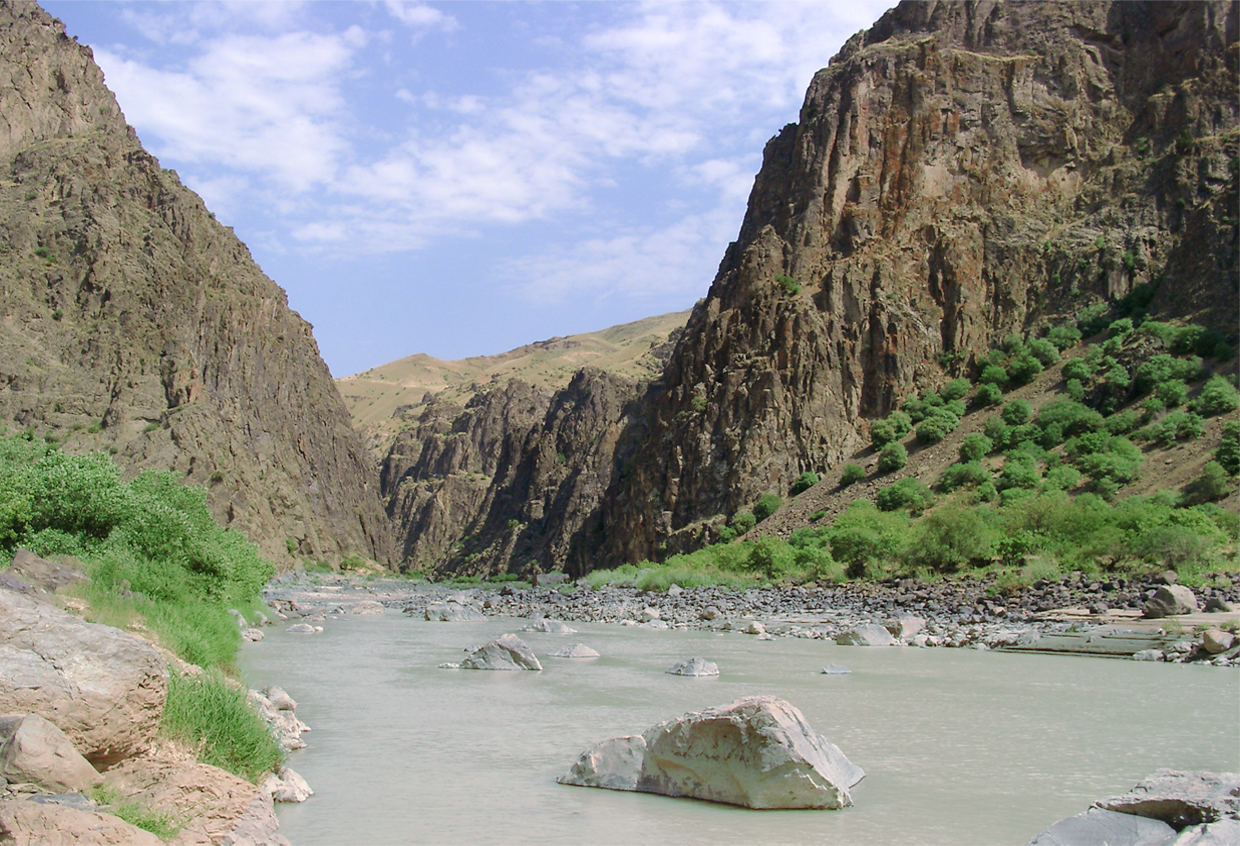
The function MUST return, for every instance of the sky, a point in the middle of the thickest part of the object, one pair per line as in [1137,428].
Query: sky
[463,178]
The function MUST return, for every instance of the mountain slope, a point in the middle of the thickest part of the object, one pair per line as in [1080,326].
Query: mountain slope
[134,322]
[959,172]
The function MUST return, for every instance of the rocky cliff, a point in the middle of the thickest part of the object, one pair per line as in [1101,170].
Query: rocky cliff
[134,322]
[961,171]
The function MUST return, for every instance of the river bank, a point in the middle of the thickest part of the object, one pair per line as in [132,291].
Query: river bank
[1074,614]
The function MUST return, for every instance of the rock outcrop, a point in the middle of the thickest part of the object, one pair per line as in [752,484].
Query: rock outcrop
[27,823]
[34,751]
[136,323]
[757,752]
[960,171]
[103,688]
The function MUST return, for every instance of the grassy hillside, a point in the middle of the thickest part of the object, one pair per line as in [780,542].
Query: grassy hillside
[636,350]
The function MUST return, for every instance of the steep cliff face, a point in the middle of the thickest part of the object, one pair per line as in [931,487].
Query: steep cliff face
[961,171]
[513,479]
[133,321]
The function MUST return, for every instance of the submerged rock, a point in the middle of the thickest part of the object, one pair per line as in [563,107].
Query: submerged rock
[695,666]
[549,626]
[508,652]
[836,670]
[303,628]
[1097,827]
[577,650]
[757,752]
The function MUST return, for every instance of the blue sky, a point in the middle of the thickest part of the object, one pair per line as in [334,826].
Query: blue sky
[463,178]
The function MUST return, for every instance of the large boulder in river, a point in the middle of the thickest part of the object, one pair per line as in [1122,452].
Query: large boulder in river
[549,626]
[508,652]
[1181,798]
[1097,827]
[103,688]
[757,752]
[34,751]
[24,822]
[1170,600]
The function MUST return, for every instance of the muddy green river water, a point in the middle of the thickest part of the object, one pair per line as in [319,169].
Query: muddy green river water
[958,746]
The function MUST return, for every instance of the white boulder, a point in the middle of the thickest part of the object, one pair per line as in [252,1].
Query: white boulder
[1170,600]
[368,607]
[508,652]
[695,666]
[549,626]
[757,752]
[577,650]
[869,634]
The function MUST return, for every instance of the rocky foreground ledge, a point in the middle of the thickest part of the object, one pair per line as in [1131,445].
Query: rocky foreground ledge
[1152,619]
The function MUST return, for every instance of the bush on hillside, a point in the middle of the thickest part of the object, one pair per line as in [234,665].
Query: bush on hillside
[1044,351]
[1177,426]
[956,389]
[1228,452]
[1024,369]
[852,474]
[975,446]
[949,539]
[992,374]
[1219,396]
[1017,412]
[1063,336]
[1077,368]
[988,394]
[1173,393]
[965,474]
[804,482]
[907,494]
[766,505]
[892,457]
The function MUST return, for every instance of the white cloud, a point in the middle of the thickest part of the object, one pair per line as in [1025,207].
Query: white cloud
[420,15]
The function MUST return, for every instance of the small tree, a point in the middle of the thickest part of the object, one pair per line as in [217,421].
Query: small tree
[1017,412]
[767,505]
[975,446]
[892,457]
[804,482]
[852,474]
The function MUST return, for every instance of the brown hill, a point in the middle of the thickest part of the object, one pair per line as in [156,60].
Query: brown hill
[134,322]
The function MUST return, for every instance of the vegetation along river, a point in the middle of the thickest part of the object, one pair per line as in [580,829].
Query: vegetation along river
[959,746]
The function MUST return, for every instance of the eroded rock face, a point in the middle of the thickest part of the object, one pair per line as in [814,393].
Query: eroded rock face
[757,752]
[34,751]
[947,182]
[26,823]
[139,308]
[507,652]
[103,688]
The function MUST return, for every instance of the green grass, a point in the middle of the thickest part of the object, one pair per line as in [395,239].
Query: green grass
[213,715]
[161,825]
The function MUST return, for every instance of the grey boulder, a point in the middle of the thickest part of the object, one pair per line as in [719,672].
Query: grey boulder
[452,612]
[507,652]
[25,822]
[46,575]
[695,666]
[757,752]
[1181,798]
[549,626]
[869,634]
[104,688]
[368,607]
[1097,827]
[577,650]
[1220,833]
[1170,600]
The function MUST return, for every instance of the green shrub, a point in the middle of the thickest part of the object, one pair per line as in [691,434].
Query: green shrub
[852,474]
[1122,423]
[767,505]
[1164,332]
[1063,336]
[790,285]
[1196,339]
[992,374]
[1044,351]
[988,395]
[1120,328]
[975,446]
[1024,369]
[955,389]
[892,457]
[863,534]
[1063,477]
[1213,483]
[1018,472]
[882,432]
[1077,368]
[1075,390]
[1178,426]
[1119,461]
[908,494]
[1173,393]
[1152,408]
[917,408]
[208,712]
[966,474]
[804,482]
[771,557]
[1017,412]
[742,522]
[1093,319]
[1163,368]
[1012,344]
[1228,452]
[1219,396]
[935,428]
[998,432]
[949,539]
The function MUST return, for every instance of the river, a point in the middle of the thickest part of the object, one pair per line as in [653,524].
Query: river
[959,746]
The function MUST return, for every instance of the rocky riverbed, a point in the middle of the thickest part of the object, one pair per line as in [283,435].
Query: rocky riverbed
[1146,619]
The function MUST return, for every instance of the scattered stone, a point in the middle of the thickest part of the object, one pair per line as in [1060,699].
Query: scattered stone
[836,670]
[366,607]
[508,652]
[241,623]
[549,626]
[905,626]
[104,688]
[448,665]
[1181,798]
[695,666]
[1097,827]
[675,590]
[757,752]
[33,750]
[655,624]
[869,634]
[649,614]
[1215,641]
[755,628]
[1148,655]
[288,786]
[1216,603]
[280,699]
[27,823]
[452,612]
[1169,601]
[283,724]
[577,650]
[252,635]
[711,612]
[303,628]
